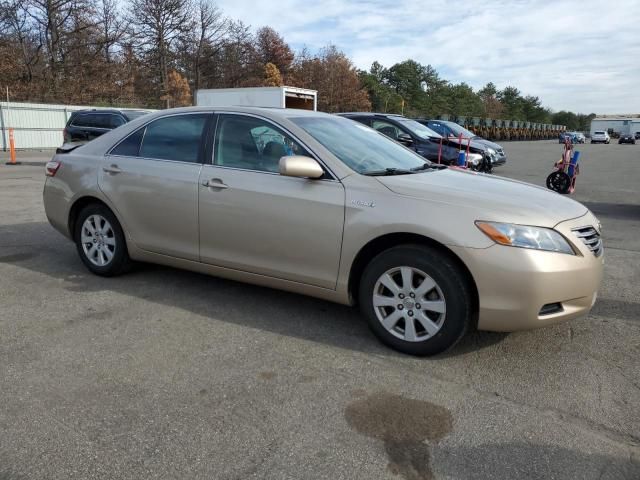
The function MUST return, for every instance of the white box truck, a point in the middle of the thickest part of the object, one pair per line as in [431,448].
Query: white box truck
[278,97]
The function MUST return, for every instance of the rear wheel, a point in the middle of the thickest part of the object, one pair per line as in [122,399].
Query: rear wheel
[100,241]
[416,300]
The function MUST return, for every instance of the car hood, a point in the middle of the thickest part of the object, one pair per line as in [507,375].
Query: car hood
[493,198]
[487,143]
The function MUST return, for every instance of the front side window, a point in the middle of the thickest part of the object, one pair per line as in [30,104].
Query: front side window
[177,137]
[360,148]
[252,144]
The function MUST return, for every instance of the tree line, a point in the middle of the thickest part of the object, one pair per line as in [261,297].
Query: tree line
[156,53]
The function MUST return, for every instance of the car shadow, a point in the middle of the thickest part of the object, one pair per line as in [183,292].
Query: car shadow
[526,460]
[619,211]
[39,248]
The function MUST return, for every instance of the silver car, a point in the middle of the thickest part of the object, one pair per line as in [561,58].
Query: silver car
[324,206]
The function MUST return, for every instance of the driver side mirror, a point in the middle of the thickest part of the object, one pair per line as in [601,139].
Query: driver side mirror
[405,139]
[300,166]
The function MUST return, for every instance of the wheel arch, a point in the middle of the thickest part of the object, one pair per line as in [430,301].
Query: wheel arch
[77,207]
[390,240]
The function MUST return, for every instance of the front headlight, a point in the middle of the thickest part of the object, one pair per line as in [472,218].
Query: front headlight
[492,154]
[474,159]
[537,238]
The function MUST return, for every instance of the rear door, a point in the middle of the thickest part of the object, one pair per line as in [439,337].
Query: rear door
[255,220]
[151,177]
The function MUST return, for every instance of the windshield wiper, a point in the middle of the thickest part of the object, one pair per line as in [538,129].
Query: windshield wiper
[429,166]
[387,172]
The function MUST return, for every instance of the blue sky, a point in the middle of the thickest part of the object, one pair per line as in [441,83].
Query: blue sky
[578,55]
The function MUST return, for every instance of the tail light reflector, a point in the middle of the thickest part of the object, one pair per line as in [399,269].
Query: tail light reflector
[51,168]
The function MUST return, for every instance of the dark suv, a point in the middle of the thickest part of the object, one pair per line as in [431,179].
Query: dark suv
[85,125]
[420,138]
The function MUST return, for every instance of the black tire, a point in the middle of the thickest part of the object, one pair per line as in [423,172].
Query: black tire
[559,182]
[450,280]
[120,262]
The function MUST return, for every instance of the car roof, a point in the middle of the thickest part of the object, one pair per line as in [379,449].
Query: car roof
[371,114]
[110,110]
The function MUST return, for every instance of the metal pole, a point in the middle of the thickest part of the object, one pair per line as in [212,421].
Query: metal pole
[4,133]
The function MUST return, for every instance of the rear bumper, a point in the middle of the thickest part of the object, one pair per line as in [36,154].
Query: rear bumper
[56,206]
[514,284]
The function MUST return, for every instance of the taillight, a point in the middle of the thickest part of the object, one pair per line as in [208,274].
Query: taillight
[51,168]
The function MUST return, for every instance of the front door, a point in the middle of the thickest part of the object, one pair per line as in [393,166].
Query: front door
[255,220]
[151,178]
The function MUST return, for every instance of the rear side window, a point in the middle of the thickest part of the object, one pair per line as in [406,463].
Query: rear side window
[115,121]
[130,146]
[177,137]
[174,138]
[93,120]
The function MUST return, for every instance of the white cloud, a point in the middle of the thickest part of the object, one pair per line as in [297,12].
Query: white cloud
[580,55]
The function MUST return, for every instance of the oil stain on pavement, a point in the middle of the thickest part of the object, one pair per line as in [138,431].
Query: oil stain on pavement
[406,427]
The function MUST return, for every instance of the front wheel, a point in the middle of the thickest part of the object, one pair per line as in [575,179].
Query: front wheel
[416,300]
[100,241]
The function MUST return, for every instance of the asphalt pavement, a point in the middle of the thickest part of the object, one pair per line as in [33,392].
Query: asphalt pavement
[169,374]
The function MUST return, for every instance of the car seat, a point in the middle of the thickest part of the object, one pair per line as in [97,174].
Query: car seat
[271,155]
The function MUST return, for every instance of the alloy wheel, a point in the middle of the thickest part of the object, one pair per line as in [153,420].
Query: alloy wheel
[409,304]
[98,240]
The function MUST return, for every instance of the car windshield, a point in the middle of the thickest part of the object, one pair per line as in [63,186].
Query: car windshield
[359,147]
[457,130]
[418,129]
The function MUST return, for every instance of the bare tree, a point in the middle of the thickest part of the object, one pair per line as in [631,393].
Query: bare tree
[112,27]
[158,25]
[212,27]
[14,20]
[54,19]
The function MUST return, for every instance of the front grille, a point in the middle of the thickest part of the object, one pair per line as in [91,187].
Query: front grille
[500,152]
[591,238]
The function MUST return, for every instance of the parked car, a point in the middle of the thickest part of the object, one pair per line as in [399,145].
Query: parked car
[416,136]
[452,131]
[564,136]
[324,206]
[600,136]
[627,138]
[85,125]
[573,137]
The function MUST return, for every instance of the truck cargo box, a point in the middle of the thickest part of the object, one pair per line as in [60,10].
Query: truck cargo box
[277,97]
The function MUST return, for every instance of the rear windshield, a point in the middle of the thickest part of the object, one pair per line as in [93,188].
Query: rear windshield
[599,133]
[131,114]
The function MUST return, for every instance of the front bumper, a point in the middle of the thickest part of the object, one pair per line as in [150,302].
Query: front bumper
[515,283]
[500,160]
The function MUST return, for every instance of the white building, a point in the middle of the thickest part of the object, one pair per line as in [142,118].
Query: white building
[621,124]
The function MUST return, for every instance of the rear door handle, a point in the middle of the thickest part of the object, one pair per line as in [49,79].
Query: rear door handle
[112,169]
[215,183]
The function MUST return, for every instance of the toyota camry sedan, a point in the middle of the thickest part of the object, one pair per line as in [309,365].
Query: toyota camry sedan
[324,206]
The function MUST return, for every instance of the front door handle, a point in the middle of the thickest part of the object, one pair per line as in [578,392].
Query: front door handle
[112,169]
[215,183]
